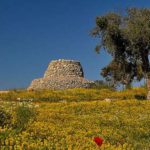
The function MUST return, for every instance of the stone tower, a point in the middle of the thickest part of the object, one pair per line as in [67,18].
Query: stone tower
[61,74]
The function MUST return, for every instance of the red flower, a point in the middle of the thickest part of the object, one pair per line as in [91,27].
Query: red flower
[98,141]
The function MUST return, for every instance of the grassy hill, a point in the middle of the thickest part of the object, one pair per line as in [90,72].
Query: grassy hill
[72,95]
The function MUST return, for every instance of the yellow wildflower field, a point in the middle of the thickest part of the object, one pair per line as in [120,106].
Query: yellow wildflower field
[123,124]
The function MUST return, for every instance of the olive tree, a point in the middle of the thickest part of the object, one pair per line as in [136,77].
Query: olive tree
[126,38]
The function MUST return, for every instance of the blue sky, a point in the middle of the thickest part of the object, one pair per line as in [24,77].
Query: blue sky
[34,32]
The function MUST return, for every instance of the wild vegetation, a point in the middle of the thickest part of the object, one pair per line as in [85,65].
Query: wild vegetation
[71,119]
[74,95]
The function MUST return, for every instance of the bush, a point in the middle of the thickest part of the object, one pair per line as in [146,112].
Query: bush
[140,96]
[24,115]
[99,84]
[5,118]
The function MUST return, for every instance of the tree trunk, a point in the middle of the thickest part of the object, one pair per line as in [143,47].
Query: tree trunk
[148,87]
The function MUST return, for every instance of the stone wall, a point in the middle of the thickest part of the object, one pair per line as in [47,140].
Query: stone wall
[62,74]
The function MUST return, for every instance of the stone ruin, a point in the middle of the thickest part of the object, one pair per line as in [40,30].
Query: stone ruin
[61,74]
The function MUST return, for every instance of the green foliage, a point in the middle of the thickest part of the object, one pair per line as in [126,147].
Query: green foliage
[24,116]
[140,96]
[5,118]
[127,39]
[99,84]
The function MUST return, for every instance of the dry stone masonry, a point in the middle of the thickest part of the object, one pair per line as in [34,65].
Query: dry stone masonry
[61,74]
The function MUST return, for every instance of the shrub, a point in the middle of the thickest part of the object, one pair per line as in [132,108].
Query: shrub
[5,118]
[99,84]
[140,96]
[24,115]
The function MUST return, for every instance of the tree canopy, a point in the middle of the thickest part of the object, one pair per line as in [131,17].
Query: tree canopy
[126,38]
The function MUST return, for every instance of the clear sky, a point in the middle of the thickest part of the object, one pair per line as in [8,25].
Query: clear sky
[34,32]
